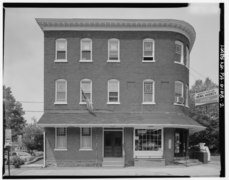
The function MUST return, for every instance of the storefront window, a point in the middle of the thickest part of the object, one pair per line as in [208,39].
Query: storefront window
[148,139]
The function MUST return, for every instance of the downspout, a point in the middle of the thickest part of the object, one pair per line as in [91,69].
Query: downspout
[44,159]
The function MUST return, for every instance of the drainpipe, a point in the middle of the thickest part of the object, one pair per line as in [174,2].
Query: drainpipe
[44,148]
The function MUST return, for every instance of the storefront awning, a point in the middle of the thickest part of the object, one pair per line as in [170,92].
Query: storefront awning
[119,119]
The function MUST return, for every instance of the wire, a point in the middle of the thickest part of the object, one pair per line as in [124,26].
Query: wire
[198,73]
[30,101]
[32,111]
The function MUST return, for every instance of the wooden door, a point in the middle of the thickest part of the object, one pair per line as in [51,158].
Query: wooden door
[112,144]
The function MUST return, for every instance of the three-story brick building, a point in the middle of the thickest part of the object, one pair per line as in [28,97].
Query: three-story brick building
[134,74]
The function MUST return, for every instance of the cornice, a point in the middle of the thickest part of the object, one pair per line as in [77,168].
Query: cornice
[47,24]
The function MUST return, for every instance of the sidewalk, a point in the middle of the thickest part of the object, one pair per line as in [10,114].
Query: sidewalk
[204,170]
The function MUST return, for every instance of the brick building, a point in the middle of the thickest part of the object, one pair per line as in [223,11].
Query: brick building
[116,91]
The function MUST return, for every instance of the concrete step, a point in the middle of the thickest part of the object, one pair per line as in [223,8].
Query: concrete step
[154,162]
[113,162]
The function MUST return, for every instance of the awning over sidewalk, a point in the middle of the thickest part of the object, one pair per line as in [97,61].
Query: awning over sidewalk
[118,119]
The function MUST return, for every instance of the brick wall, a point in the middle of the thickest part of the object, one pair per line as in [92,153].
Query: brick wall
[131,71]
[168,152]
[73,156]
[128,140]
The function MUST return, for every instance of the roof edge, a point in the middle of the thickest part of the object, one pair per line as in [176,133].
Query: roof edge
[52,24]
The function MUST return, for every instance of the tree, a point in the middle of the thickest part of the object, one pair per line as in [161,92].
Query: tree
[13,112]
[33,136]
[207,115]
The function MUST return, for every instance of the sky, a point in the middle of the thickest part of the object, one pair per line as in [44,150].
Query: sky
[23,44]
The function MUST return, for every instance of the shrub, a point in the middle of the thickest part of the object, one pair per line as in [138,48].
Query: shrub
[17,161]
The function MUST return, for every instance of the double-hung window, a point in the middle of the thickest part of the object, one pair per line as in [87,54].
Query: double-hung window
[179,52]
[61,50]
[113,91]
[148,91]
[113,50]
[61,139]
[186,96]
[148,50]
[187,57]
[85,90]
[61,91]
[86,139]
[179,92]
[86,50]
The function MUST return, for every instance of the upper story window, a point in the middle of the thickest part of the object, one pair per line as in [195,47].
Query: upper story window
[113,92]
[187,57]
[61,50]
[179,92]
[113,50]
[86,139]
[61,139]
[179,52]
[86,50]
[148,91]
[61,91]
[85,90]
[186,96]
[148,50]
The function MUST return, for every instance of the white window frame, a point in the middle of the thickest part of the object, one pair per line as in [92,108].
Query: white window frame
[57,148]
[187,57]
[182,52]
[153,93]
[66,52]
[81,43]
[110,60]
[81,98]
[149,154]
[182,92]
[153,50]
[187,95]
[108,90]
[82,148]
[66,91]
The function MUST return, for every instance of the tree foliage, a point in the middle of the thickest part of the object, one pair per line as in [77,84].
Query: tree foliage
[13,113]
[207,115]
[33,137]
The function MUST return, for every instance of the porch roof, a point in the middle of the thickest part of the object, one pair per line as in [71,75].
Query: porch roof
[119,119]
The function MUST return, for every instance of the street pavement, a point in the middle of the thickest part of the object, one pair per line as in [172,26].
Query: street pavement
[212,169]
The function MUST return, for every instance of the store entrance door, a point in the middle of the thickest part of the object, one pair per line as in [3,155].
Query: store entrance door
[180,143]
[112,143]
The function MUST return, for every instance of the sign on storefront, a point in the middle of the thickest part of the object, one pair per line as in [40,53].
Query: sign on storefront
[206,97]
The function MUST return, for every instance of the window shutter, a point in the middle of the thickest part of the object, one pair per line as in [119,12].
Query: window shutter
[86,45]
[148,87]
[148,46]
[61,44]
[113,86]
[86,86]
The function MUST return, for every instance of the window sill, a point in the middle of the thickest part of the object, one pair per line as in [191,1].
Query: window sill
[118,60]
[113,103]
[151,61]
[60,103]
[60,60]
[179,63]
[81,60]
[85,149]
[148,103]
[85,103]
[57,149]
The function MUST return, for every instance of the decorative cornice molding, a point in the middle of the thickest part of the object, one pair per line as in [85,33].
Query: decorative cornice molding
[47,24]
